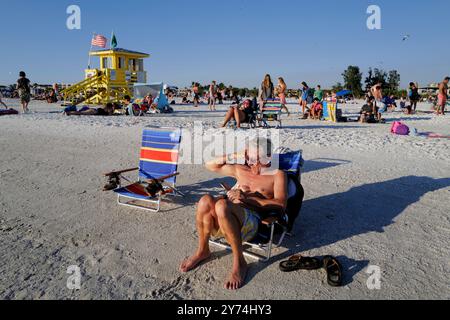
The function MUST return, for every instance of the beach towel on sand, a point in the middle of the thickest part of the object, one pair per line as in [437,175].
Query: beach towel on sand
[399,128]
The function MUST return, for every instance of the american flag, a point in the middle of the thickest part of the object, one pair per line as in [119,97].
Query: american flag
[99,41]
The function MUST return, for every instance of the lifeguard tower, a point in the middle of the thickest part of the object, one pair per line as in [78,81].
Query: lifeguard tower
[119,70]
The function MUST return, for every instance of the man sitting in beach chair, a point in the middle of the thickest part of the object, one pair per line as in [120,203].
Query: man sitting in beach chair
[261,190]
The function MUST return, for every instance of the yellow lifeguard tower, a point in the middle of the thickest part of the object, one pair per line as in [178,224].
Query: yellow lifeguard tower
[119,70]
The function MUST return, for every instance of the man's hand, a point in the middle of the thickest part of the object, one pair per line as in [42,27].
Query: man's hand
[236,196]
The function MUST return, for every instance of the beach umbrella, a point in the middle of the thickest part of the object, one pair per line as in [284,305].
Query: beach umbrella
[343,93]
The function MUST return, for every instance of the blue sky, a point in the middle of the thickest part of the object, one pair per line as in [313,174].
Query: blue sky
[234,41]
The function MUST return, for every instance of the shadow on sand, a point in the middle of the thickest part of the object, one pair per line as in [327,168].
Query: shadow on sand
[329,219]
[322,163]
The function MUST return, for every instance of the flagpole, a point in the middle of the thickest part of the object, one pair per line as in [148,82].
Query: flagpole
[89,61]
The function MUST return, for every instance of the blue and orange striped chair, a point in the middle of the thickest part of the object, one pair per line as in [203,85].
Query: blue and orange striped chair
[158,158]
[271,111]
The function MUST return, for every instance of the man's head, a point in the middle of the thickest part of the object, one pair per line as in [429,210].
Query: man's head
[259,154]
[319,87]
[446,80]
[22,74]
[127,99]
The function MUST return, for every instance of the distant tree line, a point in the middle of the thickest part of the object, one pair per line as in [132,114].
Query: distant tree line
[353,76]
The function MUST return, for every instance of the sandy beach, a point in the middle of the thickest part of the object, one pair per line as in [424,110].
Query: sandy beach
[372,199]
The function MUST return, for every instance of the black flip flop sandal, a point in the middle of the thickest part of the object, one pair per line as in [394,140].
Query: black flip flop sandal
[334,271]
[298,262]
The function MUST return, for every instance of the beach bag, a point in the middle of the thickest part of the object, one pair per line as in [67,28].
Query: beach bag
[399,128]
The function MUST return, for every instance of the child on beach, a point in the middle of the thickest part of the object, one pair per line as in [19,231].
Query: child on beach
[316,109]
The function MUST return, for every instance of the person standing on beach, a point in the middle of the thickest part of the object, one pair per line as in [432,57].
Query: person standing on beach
[266,91]
[377,93]
[195,90]
[318,93]
[23,86]
[212,96]
[442,96]
[413,95]
[304,96]
[281,89]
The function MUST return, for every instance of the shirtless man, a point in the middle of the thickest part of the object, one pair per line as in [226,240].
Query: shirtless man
[443,96]
[377,93]
[260,187]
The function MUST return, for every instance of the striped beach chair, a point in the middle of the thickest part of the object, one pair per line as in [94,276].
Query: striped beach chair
[271,111]
[158,159]
[275,227]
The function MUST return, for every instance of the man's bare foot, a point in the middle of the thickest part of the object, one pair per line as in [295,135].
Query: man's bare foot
[237,278]
[193,262]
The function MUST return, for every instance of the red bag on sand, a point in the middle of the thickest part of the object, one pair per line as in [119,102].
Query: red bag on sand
[400,128]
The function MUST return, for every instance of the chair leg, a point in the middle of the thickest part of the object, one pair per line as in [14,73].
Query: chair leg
[157,209]
[269,246]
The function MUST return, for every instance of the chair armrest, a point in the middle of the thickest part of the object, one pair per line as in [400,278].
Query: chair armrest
[113,173]
[269,221]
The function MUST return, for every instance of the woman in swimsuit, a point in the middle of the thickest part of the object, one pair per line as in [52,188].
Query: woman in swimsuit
[241,114]
[281,88]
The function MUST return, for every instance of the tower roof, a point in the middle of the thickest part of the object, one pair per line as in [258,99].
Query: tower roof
[105,52]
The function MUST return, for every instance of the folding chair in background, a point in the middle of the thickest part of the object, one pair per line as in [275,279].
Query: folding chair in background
[276,224]
[157,171]
[271,111]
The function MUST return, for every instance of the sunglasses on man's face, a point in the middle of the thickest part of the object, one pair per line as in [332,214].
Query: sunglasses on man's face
[253,161]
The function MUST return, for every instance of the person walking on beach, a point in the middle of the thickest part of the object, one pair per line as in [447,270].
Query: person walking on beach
[266,91]
[281,89]
[23,86]
[196,98]
[442,96]
[304,97]
[212,96]
[377,93]
[413,95]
